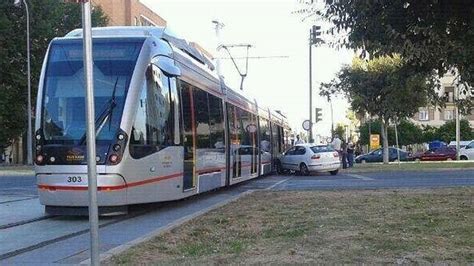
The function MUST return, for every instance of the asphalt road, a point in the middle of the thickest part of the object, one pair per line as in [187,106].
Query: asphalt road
[25,186]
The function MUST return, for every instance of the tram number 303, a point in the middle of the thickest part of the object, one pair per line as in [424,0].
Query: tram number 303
[74,179]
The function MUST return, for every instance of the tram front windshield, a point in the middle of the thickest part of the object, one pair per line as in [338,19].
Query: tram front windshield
[63,118]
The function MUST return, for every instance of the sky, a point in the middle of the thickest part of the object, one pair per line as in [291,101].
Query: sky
[281,81]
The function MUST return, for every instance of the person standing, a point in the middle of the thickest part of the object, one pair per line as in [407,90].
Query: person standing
[344,154]
[336,144]
[298,140]
[350,155]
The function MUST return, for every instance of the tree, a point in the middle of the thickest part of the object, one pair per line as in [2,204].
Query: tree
[429,34]
[447,132]
[49,19]
[383,88]
[408,133]
[340,131]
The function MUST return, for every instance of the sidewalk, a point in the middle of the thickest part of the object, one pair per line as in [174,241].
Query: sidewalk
[16,170]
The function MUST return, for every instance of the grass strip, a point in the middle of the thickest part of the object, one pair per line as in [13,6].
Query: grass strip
[381,226]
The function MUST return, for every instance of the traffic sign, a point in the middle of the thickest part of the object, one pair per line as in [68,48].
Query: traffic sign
[306,125]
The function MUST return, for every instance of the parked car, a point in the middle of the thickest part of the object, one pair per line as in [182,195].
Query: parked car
[467,153]
[462,144]
[376,156]
[307,158]
[437,154]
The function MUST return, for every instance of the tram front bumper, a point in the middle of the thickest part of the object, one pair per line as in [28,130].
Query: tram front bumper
[72,190]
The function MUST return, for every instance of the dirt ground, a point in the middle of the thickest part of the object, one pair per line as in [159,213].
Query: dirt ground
[370,226]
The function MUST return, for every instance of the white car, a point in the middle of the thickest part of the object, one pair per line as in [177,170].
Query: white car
[307,158]
[467,153]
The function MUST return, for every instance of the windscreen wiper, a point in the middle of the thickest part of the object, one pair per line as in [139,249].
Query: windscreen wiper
[104,115]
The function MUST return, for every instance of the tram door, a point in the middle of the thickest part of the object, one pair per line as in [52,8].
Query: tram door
[189,136]
[233,115]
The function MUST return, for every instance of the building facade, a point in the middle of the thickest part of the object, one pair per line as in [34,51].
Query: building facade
[129,13]
[437,116]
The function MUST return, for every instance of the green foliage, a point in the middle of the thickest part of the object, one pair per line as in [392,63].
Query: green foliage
[340,130]
[429,34]
[48,19]
[447,132]
[408,133]
[381,87]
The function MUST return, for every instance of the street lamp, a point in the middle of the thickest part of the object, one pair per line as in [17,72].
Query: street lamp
[29,138]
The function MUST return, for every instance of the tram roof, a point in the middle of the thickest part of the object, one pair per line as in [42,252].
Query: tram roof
[147,31]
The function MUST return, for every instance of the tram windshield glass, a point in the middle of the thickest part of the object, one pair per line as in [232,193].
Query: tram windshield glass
[63,118]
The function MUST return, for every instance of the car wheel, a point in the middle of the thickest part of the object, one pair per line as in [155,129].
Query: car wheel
[334,172]
[363,161]
[304,169]
[463,157]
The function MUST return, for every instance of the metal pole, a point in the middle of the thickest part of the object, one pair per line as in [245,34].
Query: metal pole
[332,121]
[396,140]
[310,92]
[29,138]
[458,124]
[218,26]
[370,132]
[90,114]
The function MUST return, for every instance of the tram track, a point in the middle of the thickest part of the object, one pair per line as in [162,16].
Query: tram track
[48,242]
[17,200]
[28,221]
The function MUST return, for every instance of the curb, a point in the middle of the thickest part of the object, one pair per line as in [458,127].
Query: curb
[161,230]
[13,172]
[362,170]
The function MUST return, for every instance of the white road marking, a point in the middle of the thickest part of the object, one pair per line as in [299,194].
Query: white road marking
[278,183]
[361,177]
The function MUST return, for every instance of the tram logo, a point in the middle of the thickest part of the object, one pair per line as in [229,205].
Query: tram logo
[75,155]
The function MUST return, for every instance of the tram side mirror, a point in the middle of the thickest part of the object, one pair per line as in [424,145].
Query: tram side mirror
[168,67]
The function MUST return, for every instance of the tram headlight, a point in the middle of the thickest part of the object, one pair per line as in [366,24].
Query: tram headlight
[39,159]
[38,147]
[38,137]
[120,136]
[114,158]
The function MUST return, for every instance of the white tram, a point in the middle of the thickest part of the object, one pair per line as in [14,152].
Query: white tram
[166,127]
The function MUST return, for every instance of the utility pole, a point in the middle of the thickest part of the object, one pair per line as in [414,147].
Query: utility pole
[218,26]
[314,32]
[29,135]
[458,123]
[90,122]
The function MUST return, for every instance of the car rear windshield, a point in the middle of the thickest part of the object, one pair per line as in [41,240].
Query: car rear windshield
[318,149]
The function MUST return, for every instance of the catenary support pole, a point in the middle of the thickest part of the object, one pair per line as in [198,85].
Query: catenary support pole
[91,152]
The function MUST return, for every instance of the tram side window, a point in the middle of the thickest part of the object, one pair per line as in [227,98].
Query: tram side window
[216,122]
[245,119]
[265,135]
[187,118]
[235,130]
[152,129]
[282,139]
[201,109]
[275,139]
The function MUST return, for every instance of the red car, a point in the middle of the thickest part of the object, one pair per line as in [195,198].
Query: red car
[438,154]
